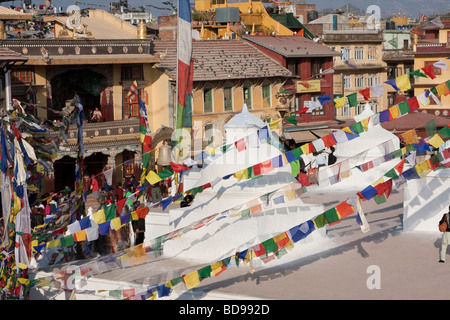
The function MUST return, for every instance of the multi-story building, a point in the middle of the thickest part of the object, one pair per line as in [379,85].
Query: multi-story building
[311,64]
[98,62]
[432,46]
[227,74]
[398,55]
[360,66]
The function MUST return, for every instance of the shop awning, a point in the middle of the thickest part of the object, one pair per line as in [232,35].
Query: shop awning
[307,135]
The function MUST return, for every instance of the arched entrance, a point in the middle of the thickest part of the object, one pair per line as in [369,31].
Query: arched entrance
[87,84]
[94,165]
[64,173]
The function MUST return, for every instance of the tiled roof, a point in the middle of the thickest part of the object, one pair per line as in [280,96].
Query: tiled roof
[220,60]
[293,46]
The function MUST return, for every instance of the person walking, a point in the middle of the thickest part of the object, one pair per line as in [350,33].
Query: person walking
[445,236]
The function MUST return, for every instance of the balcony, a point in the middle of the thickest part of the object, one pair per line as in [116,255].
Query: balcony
[106,137]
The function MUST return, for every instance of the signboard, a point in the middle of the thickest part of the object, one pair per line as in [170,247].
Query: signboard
[308,86]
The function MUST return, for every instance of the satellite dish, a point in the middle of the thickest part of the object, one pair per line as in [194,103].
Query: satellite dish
[74,19]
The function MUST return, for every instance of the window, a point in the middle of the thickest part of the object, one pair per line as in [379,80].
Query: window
[132,72]
[228,99]
[372,80]
[374,106]
[131,107]
[360,107]
[209,133]
[345,53]
[372,53]
[316,66]
[347,83]
[248,96]
[266,95]
[359,81]
[22,76]
[437,71]
[345,110]
[207,100]
[359,53]
[394,72]
[448,36]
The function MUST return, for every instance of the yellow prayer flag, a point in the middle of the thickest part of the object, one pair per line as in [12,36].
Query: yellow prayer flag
[80,235]
[365,123]
[134,216]
[210,150]
[216,268]
[305,148]
[423,168]
[242,174]
[403,83]
[348,130]
[442,89]
[152,177]
[436,141]
[24,281]
[339,102]
[275,123]
[191,280]
[116,223]
[379,181]
[153,296]
[410,136]
[99,216]
[394,111]
[53,244]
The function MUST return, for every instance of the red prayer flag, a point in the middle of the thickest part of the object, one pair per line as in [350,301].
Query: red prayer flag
[266,166]
[429,71]
[365,93]
[344,209]
[178,167]
[329,140]
[399,166]
[257,169]
[120,204]
[303,110]
[240,145]
[413,103]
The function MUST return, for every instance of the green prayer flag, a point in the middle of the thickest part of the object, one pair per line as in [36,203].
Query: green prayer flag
[379,199]
[297,152]
[67,241]
[115,293]
[270,245]
[331,215]
[430,128]
[391,174]
[445,132]
[403,107]
[358,127]
[245,212]
[320,221]
[292,119]
[110,212]
[295,166]
[352,99]
[164,174]
[418,73]
[204,272]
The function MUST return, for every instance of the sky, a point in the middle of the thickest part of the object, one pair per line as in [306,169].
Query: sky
[411,7]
